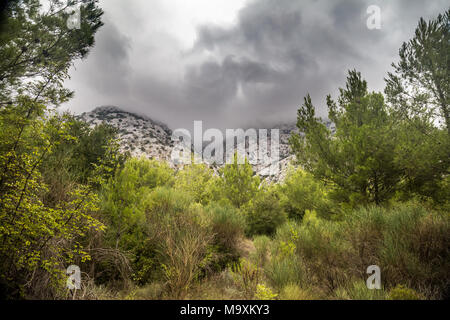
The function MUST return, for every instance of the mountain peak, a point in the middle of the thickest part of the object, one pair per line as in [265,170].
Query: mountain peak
[138,134]
[141,136]
[108,109]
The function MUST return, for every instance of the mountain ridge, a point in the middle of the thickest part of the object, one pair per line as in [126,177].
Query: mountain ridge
[140,135]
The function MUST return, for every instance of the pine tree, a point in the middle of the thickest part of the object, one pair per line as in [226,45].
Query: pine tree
[420,83]
[357,160]
[239,184]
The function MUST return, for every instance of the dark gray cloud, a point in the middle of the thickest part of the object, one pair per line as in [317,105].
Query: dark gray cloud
[254,72]
[114,61]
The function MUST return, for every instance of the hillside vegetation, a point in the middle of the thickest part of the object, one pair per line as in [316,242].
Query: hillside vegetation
[374,191]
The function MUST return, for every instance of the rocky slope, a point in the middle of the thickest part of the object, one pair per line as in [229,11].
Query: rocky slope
[138,134]
[142,136]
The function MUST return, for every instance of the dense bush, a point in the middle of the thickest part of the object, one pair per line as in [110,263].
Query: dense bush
[123,209]
[264,213]
[402,293]
[300,192]
[407,241]
[180,235]
[181,239]
[238,184]
[194,180]
[228,226]
[285,267]
[44,217]
[285,270]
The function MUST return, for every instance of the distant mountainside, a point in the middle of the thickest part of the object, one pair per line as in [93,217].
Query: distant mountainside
[138,134]
[142,136]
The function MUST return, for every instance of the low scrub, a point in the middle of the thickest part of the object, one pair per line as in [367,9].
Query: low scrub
[407,241]
[228,226]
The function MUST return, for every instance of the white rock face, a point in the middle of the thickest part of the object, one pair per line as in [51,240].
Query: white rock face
[142,136]
[139,135]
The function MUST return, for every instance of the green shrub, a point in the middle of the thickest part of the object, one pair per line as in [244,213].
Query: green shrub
[288,231]
[238,183]
[358,291]
[125,199]
[407,241]
[326,255]
[301,192]
[165,203]
[181,236]
[194,180]
[284,266]
[183,254]
[166,232]
[415,249]
[228,226]
[261,254]
[294,292]
[264,293]
[264,214]
[361,232]
[124,195]
[281,271]
[246,276]
[148,173]
[400,292]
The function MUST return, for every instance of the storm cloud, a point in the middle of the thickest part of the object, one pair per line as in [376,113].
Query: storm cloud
[253,71]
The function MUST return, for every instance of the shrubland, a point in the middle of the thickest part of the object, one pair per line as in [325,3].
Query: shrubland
[374,192]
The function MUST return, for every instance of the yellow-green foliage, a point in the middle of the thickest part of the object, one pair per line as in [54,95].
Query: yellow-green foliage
[125,199]
[264,213]
[39,239]
[195,180]
[141,173]
[264,293]
[238,184]
[281,271]
[285,267]
[400,292]
[301,192]
[140,230]
[310,218]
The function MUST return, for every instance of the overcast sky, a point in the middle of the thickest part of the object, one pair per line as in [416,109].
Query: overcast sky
[237,63]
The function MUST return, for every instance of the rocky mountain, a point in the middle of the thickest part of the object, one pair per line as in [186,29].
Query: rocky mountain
[141,136]
[138,134]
